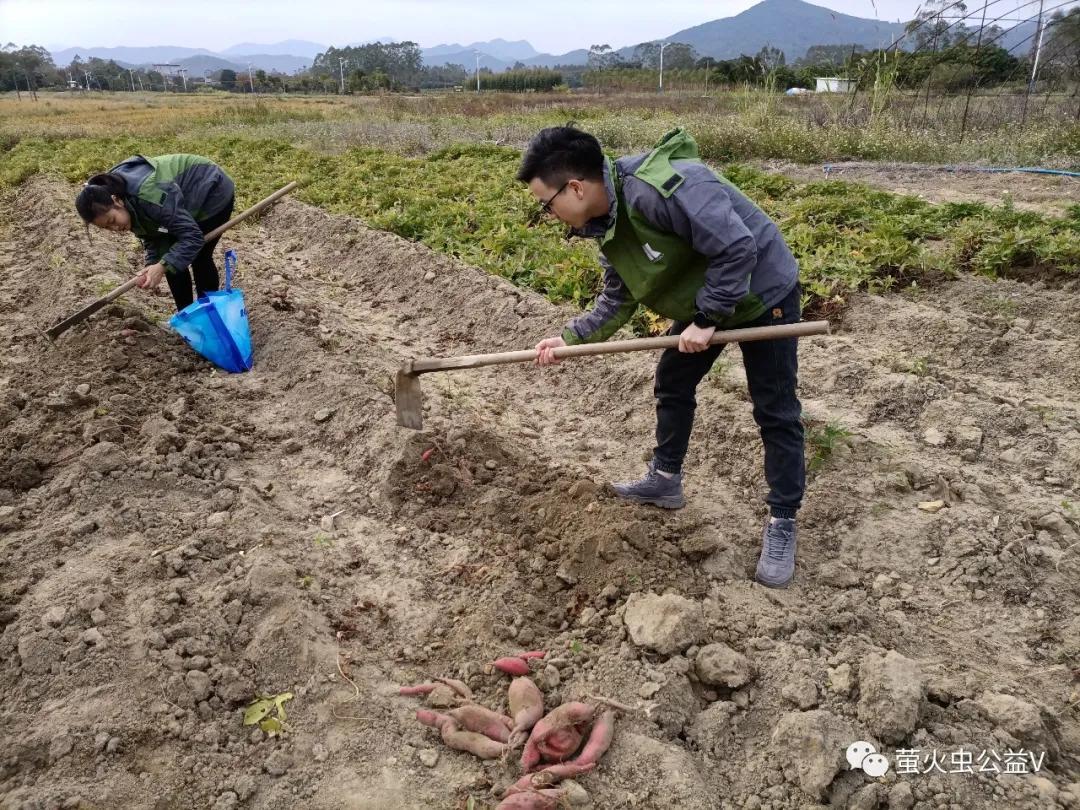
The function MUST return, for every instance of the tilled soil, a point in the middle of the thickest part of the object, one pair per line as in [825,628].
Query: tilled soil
[175,540]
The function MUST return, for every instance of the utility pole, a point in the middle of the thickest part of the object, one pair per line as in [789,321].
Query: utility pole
[165,66]
[707,61]
[475,53]
[251,78]
[86,75]
[1034,67]
[131,75]
[662,46]
[183,75]
[341,69]
[1038,47]
[29,86]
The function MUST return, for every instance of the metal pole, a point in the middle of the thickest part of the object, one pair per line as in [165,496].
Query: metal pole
[251,78]
[929,78]
[341,70]
[131,75]
[1038,46]
[707,76]
[662,46]
[477,72]
[1031,82]
[971,86]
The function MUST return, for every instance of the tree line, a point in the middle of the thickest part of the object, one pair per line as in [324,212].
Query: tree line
[938,52]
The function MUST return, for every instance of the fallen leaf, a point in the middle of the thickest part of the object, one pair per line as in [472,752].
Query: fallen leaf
[257,711]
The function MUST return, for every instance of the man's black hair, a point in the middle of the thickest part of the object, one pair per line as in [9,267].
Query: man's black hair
[558,154]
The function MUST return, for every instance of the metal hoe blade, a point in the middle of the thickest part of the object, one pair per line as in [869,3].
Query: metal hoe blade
[409,400]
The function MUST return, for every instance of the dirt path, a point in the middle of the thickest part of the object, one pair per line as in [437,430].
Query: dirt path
[176,540]
[1044,193]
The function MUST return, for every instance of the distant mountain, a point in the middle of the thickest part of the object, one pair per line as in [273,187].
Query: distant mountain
[196,60]
[578,57]
[790,25]
[384,40]
[201,65]
[467,59]
[510,52]
[497,54]
[130,56]
[442,50]
[289,47]
[271,63]
[1019,40]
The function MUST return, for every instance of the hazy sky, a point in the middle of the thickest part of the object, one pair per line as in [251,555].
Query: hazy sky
[552,26]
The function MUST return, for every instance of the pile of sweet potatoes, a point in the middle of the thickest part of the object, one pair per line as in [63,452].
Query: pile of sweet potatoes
[564,743]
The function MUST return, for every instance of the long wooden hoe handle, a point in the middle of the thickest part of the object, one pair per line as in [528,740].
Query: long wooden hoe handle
[802,329]
[53,332]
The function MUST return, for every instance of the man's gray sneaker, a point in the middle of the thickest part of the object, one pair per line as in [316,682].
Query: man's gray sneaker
[653,489]
[776,566]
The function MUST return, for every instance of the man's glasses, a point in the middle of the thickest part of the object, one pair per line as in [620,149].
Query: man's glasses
[545,208]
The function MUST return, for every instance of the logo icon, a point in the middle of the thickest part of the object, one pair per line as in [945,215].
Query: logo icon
[863,756]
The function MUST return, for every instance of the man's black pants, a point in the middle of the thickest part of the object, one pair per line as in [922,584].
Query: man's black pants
[202,267]
[772,368]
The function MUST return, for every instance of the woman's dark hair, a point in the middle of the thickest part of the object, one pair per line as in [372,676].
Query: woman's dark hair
[558,154]
[96,197]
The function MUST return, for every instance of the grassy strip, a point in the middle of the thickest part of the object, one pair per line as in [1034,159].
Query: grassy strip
[463,201]
[729,126]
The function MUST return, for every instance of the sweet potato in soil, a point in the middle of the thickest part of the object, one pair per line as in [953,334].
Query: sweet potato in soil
[556,735]
[473,717]
[460,739]
[511,665]
[526,708]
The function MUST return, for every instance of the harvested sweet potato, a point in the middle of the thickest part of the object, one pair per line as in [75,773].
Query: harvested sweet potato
[556,773]
[603,731]
[419,689]
[453,689]
[532,654]
[511,665]
[492,725]
[433,719]
[461,739]
[560,744]
[548,776]
[575,716]
[526,707]
[458,686]
[476,744]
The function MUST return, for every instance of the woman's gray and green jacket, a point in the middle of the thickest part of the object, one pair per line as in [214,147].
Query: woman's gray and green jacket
[167,197]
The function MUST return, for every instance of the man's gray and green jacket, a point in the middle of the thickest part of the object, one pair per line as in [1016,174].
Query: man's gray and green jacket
[684,242]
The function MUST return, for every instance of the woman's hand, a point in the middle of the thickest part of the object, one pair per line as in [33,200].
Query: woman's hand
[150,277]
[546,356]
